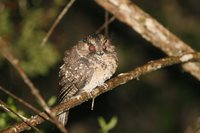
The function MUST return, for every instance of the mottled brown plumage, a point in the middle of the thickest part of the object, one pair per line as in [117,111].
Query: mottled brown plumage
[87,65]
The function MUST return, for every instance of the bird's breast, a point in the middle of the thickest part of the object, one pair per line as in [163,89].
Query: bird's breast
[103,70]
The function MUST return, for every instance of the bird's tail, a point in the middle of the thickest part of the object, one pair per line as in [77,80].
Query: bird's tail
[63,118]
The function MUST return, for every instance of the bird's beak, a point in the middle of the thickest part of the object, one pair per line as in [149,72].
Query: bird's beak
[100,53]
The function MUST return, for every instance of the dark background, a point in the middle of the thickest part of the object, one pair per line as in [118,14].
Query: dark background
[165,101]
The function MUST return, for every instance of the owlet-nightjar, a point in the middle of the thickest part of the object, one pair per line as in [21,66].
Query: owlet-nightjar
[87,65]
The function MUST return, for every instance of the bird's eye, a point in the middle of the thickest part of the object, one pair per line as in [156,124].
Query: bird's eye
[92,48]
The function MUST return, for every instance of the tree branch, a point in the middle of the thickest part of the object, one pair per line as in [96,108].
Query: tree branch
[109,85]
[37,111]
[22,118]
[150,29]
[56,22]
[6,52]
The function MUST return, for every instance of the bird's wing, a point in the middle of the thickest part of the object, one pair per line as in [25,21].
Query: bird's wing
[74,77]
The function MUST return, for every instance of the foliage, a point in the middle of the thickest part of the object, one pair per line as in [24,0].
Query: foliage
[8,117]
[6,26]
[107,126]
[25,32]
[35,59]
[51,101]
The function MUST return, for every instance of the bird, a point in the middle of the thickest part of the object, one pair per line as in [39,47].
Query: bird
[88,64]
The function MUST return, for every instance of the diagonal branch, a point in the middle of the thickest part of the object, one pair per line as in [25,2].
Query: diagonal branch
[109,85]
[150,29]
[37,111]
[6,108]
[105,24]
[6,52]
[58,19]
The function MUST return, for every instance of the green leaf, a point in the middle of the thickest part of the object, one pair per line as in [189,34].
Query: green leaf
[2,121]
[102,122]
[106,127]
[51,101]
[112,123]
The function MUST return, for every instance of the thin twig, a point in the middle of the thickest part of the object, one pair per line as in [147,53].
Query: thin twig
[150,29]
[22,102]
[109,85]
[23,119]
[6,52]
[60,16]
[105,24]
